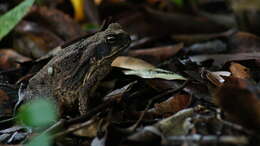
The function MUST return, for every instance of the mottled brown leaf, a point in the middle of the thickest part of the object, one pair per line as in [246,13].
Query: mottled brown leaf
[159,53]
[240,99]
[244,42]
[9,59]
[173,104]
[239,71]
[33,40]
[57,21]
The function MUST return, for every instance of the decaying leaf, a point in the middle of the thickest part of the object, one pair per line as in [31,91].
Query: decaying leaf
[8,98]
[209,47]
[155,73]
[240,5]
[173,104]
[195,38]
[240,99]
[102,108]
[118,93]
[143,69]
[239,71]
[88,128]
[9,59]
[171,126]
[220,59]
[57,21]
[131,63]
[174,125]
[215,77]
[14,134]
[159,53]
[244,42]
[34,40]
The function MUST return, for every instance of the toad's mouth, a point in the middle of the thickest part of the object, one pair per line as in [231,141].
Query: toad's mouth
[117,50]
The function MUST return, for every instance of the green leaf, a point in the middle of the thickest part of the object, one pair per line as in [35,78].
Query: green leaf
[38,112]
[178,2]
[90,27]
[12,17]
[41,140]
[155,73]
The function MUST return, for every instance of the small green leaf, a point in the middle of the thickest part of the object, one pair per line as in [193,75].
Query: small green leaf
[155,73]
[90,27]
[41,140]
[178,2]
[37,113]
[12,17]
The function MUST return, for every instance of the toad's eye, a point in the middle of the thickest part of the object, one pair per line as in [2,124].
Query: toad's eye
[111,39]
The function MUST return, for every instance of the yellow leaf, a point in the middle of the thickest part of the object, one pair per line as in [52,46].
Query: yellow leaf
[78,6]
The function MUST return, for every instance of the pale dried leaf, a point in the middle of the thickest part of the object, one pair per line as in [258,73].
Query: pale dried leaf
[155,73]
[131,63]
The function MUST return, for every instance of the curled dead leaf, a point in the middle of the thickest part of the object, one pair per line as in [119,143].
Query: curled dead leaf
[216,77]
[56,21]
[244,42]
[155,73]
[159,53]
[143,69]
[131,63]
[173,104]
[239,71]
[240,99]
[9,59]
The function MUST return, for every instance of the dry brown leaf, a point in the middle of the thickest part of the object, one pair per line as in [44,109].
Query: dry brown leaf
[173,104]
[131,63]
[159,53]
[31,39]
[239,98]
[57,21]
[118,93]
[244,42]
[6,102]
[221,59]
[239,71]
[9,59]
[143,69]
[171,126]
[89,130]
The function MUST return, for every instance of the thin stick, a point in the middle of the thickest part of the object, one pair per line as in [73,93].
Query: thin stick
[171,91]
[238,140]
[74,128]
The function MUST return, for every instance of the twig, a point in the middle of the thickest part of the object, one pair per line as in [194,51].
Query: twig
[7,120]
[173,140]
[74,128]
[91,113]
[165,93]
[171,91]
[54,127]
[233,125]
[83,118]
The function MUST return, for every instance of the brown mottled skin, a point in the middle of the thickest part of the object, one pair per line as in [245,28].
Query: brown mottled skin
[71,77]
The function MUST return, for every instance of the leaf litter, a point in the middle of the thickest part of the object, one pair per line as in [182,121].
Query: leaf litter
[190,76]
